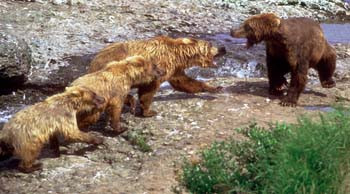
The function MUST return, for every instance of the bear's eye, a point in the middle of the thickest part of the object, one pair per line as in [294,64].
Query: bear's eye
[247,28]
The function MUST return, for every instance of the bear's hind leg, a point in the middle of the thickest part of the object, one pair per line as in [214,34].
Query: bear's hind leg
[297,84]
[326,67]
[28,157]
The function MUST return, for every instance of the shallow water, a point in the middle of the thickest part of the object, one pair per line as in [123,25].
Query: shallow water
[320,108]
[337,33]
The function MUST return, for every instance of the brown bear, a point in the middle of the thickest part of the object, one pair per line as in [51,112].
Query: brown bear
[114,82]
[172,55]
[29,129]
[292,45]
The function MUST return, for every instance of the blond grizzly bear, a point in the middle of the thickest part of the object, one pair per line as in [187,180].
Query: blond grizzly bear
[171,55]
[29,129]
[114,83]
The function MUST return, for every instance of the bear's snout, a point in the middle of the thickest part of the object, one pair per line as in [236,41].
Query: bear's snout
[221,51]
[99,101]
[232,32]
[238,33]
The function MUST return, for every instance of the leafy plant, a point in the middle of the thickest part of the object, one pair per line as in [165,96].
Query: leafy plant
[140,141]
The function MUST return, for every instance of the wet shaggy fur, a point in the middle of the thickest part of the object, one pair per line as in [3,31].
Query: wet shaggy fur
[29,129]
[292,45]
[171,55]
[114,83]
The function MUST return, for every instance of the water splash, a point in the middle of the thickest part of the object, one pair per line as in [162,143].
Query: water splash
[7,113]
[5,116]
[241,70]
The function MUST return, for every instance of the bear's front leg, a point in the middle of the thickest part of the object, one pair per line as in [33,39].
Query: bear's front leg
[114,111]
[181,82]
[71,132]
[85,120]
[28,155]
[131,102]
[277,67]
[297,85]
[146,94]
[54,145]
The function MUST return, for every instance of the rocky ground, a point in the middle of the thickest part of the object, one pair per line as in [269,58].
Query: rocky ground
[63,35]
[185,124]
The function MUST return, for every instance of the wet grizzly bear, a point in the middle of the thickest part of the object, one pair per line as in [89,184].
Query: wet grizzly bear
[29,129]
[292,45]
[114,83]
[172,55]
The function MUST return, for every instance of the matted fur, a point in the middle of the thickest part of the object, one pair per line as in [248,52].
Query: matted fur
[114,83]
[29,129]
[171,55]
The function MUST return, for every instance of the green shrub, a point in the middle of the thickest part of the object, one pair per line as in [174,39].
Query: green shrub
[308,157]
[139,140]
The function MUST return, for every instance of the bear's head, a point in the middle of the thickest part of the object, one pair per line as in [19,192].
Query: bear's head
[5,148]
[197,52]
[84,99]
[5,151]
[257,28]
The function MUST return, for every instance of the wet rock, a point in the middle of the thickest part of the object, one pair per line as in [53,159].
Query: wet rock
[68,2]
[59,2]
[15,60]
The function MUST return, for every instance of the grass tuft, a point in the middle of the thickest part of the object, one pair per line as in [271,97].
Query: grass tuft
[140,141]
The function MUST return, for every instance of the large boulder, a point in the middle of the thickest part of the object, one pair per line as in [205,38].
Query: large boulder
[15,60]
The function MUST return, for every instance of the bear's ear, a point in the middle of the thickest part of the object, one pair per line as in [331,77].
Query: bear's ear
[137,59]
[74,91]
[275,22]
[188,41]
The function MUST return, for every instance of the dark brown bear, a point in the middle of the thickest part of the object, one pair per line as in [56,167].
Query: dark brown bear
[171,55]
[292,45]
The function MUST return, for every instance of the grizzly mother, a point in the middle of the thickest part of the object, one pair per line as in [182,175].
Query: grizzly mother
[292,45]
[171,55]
